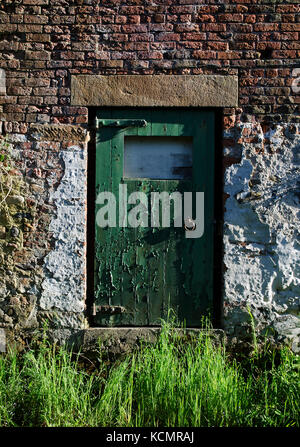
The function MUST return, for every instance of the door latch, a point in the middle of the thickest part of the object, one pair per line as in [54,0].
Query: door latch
[108,310]
[120,123]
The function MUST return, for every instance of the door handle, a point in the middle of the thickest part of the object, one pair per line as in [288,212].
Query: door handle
[189,224]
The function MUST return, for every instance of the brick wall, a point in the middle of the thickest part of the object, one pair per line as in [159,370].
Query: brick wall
[44,42]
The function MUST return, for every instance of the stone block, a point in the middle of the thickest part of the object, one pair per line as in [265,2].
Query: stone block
[157,90]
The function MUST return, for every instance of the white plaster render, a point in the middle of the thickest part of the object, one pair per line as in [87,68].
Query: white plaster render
[261,234]
[64,284]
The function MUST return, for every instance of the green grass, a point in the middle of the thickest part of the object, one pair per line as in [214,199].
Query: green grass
[172,383]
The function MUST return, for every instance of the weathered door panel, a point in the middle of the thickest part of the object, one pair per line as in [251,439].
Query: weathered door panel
[146,270]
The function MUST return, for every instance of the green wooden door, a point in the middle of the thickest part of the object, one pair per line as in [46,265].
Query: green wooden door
[141,272]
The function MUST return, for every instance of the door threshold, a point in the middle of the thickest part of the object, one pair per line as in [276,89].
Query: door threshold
[118,340]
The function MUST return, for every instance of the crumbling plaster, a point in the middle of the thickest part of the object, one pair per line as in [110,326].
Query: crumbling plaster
[63,288]
[261,232]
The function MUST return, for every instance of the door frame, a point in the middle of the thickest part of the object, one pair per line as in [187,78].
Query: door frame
[217,312]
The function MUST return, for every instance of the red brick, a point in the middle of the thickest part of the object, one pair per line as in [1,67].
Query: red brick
[185,18]
[150,55]
[240,27]
[19,91]
[288,18]
[134,28]
[36,2]
[165,45]
[215,27]
[160,27]
[288,8]
[171,18]
[246,37]
[265,27]
[81,119]
[285,54]
[290,45]
[35,19]
[14,18]
[36,100]
[37,82]
[72,55]
[159,18]
[30,28]
[111,28]
[9,46]
[230,17]
[182,28]
[249,81]
[285,36]
[45,91]
[121,19]
[194,36]
[182,9]
[117,37]
[195,45]
[127,10]
[38,55]
[208,9]
[38,37]
[168,36]
[135,19]
[136,46]
[8,27]
[123,55]
[204,54]
[206,18]
[290,26]
[251,18]
[102,55]
[268,45]
[229,54]
[223,46]
[141,37]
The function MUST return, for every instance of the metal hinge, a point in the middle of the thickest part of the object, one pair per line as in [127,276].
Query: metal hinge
[120,123]
[108,310]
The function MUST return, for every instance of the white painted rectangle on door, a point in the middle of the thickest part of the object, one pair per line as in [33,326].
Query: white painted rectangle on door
[158,157]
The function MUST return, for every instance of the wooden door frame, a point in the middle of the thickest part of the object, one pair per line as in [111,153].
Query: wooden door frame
[197,123]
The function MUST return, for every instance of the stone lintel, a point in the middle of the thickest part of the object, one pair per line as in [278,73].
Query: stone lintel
[155,90]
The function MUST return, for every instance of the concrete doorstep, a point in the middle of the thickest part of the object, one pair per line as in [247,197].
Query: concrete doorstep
[118,340]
